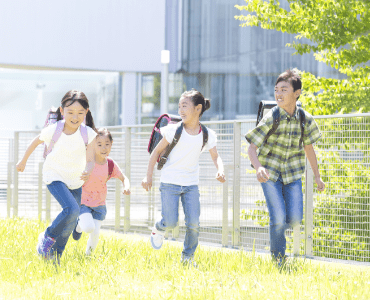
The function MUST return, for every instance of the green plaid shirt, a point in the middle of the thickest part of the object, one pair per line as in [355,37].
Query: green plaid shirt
[281,153]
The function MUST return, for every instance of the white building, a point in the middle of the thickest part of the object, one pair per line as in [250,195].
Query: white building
[101,47]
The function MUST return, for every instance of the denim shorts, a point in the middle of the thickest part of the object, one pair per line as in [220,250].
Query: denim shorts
[98,213]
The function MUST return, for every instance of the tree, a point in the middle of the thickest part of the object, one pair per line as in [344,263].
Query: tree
[337,33]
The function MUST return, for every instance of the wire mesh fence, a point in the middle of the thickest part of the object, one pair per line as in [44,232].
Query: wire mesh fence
[341,215]
[233,214]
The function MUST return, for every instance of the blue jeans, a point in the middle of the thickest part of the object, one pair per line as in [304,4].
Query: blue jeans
[65,222]
[285,205]
[98,212]
[170,194]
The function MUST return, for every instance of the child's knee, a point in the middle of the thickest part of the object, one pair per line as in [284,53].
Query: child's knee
[171,224]
[295,221]
[73,211]
[193,226]
[87,227]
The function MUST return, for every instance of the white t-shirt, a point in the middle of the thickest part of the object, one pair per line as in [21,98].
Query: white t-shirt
[182,166]
[67,160]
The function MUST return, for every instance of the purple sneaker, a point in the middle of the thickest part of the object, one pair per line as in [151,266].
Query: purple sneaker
[44,245]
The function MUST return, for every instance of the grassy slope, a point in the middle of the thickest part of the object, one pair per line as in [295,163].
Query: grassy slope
[128,268]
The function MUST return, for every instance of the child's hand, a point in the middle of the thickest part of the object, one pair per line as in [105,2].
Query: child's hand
[320,184]
[85,176]
[147,183]
[126,191]
[262,174]
[20,166]
[220,176]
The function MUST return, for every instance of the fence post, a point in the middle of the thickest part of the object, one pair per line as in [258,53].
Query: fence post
[296,239]
[128,174]
[15,189]
[117,223]
[236,185]
[309,210]
[225,209]
[39,206]
[48,205]
[9,189]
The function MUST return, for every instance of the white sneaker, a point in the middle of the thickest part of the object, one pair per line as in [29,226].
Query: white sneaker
[156,238]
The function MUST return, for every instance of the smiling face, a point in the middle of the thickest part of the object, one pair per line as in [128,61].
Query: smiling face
[103,146]
[285,96]
[187,111]
[73,114]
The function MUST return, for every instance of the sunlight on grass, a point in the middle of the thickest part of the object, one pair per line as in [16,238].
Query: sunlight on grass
[125,266]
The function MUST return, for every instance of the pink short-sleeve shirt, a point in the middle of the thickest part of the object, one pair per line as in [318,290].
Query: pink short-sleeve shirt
[94,191]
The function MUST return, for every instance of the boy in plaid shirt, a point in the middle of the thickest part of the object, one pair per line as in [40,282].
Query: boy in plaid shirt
[280,162]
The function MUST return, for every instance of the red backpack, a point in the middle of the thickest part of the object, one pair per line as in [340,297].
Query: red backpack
[156,136]
[51,118]
[110,168]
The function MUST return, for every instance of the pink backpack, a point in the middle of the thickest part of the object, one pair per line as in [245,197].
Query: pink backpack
[52,119]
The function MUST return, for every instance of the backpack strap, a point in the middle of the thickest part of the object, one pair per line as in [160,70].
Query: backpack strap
[57,133]
[176,138]
[205,135]
[83,129]
[302,121]
[275,124]
[110,168]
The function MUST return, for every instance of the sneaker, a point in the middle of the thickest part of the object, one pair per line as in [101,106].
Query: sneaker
[188,261]
[76,235]
[44,245]
[156,238]
[281,261]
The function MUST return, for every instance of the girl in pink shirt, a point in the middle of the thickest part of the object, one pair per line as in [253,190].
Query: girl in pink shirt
[94,191]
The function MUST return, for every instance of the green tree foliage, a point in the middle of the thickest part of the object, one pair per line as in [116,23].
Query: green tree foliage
[337,33]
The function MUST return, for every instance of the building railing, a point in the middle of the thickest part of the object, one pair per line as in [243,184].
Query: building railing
[234,214]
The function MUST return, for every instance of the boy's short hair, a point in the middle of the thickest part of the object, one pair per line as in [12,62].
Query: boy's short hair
[292,77]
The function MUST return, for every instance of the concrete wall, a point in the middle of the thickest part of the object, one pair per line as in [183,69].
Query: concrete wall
[107,35]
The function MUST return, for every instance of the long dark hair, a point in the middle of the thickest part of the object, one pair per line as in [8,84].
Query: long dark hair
[70,98]
[197,98]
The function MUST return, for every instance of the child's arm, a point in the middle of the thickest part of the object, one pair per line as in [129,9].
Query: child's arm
[220,176]
[90,161]
[262,174]
[311,156]
[126,184]
[21,165]
[147,181]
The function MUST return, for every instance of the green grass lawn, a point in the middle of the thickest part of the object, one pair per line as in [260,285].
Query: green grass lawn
[126,267]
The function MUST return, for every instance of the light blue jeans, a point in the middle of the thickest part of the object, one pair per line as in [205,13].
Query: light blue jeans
[65,222]
[170,195]
[285,206]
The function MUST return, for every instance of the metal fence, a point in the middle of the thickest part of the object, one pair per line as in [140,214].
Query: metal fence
[233,214]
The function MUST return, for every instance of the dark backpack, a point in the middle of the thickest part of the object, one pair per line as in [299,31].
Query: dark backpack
[265,106]
[156,136]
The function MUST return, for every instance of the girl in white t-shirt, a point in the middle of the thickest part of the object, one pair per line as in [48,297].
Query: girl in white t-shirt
[65,169]
[180,174]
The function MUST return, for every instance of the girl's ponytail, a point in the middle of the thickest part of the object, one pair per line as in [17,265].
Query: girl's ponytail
[59,114]
[90,121]
[197,98]
[207,105]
